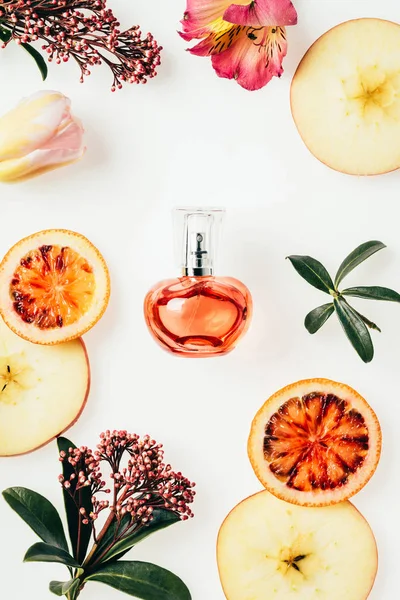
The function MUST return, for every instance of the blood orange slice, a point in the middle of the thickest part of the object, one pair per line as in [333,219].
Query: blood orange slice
[54,286]
[315,443]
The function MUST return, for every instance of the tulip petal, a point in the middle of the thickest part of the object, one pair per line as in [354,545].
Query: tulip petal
[254,58]
[31,124]
[262,13]
[37,163]
[69,136]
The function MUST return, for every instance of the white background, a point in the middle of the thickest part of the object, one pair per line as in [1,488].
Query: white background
[191,138]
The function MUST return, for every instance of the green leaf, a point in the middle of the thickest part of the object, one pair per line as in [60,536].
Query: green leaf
[356,257]
[355,329]
[373,293]
[79,533]
[368,323]
[42,552]
[39,514]
[62,588]
[142,580]
[161,520]
[113,531]
[317,317]
[38,58]
[5,34]
[312,271]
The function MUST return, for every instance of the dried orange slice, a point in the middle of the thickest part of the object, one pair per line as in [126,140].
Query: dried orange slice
[315,443]
[54,286]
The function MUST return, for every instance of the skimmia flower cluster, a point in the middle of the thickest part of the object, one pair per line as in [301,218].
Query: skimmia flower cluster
[144,495]
[84,30]
[245,39]
[144,484]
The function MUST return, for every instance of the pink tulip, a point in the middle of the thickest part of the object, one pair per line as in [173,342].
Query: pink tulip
[39,135]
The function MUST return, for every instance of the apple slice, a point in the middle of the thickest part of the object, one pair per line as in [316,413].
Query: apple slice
[345,97]
[43,390]
[270,550]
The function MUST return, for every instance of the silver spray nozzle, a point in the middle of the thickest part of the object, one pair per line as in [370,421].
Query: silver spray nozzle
[197,233]
[198,261]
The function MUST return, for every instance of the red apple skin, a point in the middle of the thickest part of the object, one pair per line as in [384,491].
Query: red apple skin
[298,70]
[376,549]
[256,494]
[75,419]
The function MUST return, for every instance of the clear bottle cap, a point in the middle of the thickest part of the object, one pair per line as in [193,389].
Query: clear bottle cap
[197,233]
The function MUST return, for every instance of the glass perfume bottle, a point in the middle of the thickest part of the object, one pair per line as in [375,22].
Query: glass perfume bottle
[198,314]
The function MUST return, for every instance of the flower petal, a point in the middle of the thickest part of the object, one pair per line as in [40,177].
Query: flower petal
[31,124]
[260,13]
[68,137]
[203,16]
[219,41]
[254,58]
[38,162]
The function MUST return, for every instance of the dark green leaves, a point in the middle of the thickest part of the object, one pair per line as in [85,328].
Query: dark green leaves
[373,293]
[355,325]
[317,317]
[161,520]
[42,552]
[38,58]
[108,549]
[39,514]
[114,539]
[79,533]
[142,580]
[5,34]
[115,529]
[62,588]
[313,271]
[368,323]
[355,329]
[356,257]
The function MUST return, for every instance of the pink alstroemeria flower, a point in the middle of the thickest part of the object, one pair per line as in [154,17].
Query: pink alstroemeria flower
[246,41]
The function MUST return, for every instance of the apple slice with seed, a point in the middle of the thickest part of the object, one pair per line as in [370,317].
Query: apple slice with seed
[270,550]
[345,97]
[43,390]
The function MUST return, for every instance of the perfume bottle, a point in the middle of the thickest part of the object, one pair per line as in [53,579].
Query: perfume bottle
[198,314]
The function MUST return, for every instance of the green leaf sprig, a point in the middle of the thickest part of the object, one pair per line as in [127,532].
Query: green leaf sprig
[354,324]
[5,37]
[147,496]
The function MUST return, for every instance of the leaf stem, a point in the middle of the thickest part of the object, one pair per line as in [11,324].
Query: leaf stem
[106,525]
[73,595]
[116,539]
[99,538]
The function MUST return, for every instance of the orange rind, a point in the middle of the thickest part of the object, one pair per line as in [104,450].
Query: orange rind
[54,286]
[315,443]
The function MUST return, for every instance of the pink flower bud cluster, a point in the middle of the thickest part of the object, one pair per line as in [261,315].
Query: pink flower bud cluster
[141,484]
[91,37]
[146,481]
[86,472]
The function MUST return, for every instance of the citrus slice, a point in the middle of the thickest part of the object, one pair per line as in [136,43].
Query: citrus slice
[43,390]
[315,442]
[54,286]
[269,550]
